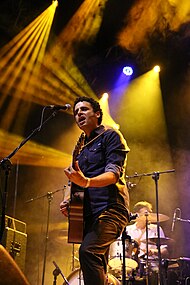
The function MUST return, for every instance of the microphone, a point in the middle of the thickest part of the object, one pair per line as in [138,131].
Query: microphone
[133,216]
[174,220]
[131,185]
[59,107]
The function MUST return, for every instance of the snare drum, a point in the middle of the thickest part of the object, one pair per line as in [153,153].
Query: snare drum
[116,257]
[76,278]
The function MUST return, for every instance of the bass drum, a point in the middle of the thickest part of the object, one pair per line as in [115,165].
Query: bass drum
[76,278]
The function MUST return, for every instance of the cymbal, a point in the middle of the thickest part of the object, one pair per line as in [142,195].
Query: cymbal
[154,240]
[152,217]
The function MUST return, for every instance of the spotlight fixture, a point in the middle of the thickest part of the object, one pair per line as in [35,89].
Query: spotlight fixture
[127,70]
[55,2]
[156,68]
[105,96]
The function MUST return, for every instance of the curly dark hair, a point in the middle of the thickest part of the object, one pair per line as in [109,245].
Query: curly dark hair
[95,105]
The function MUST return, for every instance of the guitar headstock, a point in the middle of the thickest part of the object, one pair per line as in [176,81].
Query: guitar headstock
[78,147]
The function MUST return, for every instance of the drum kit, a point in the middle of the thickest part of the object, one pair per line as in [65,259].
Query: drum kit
[135,266]
[142,269]
[130,264]
[127,256]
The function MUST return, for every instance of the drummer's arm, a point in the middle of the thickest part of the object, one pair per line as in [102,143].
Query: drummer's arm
[163,251]
[163,248]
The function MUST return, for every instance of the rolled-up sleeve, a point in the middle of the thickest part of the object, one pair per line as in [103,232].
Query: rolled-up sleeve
[110,167]
[116,153]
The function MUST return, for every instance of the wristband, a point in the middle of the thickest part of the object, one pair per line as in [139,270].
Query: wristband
[87,182]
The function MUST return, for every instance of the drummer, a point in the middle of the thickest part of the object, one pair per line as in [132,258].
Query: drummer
[137,231]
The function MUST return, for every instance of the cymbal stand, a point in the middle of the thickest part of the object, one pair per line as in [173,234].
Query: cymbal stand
[49,196]
[125,237]
[147,275]
[155,177]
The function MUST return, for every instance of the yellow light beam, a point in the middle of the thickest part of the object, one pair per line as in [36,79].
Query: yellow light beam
[22,58]
[25,47]
[107,119]
[29,56]
[32,153]
[10,50]
[61,79]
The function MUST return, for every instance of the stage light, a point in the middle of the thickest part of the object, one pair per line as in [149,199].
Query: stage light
[105,96]
[127,70]
[55,2]
[156,68]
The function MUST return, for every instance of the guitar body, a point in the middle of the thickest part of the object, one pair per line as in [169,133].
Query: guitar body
[76,222]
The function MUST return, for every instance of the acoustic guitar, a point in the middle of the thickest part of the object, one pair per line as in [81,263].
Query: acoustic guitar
[76,223]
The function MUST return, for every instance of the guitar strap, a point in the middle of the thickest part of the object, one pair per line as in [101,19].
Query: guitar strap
[93,139]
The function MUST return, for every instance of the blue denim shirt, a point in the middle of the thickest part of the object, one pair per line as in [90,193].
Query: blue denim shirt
[106,153]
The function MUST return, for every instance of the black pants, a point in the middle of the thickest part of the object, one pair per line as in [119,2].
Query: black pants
[93,252]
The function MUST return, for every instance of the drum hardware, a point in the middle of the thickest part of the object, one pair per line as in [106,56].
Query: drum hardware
[176,271]
[147,271]
[155,176]
[152,217]
[56,272]
[124,258]
[76,278]
[154,240]
[127,238]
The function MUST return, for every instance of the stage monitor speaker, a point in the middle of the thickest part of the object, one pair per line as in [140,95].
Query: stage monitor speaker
[10,273]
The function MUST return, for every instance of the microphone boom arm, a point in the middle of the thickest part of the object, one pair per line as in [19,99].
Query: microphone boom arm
[27,138]
[182,220]
[5,164]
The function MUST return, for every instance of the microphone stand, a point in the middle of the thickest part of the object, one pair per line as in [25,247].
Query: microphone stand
[182,220]
[49,196]
[56,272]
[155,177]
[6,165]
[124,237]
